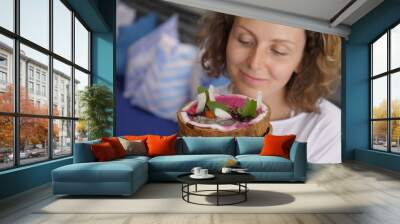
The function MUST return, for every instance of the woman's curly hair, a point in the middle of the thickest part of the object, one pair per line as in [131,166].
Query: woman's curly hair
[320,65]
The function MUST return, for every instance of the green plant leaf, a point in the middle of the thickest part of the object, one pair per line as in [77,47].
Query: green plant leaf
[97,105]
[249,109]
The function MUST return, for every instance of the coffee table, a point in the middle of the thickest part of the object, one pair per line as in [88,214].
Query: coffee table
[238,179]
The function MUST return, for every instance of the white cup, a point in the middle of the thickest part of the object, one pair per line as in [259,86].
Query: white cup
[196,170]
[226,170]
[203,172]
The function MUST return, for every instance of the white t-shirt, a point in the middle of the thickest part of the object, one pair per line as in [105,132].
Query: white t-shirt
[321,131]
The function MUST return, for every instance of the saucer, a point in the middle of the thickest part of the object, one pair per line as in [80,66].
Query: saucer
[208,176]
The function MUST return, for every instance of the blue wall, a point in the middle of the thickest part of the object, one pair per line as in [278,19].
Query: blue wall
[356,85]
[99,15]
[24,178]
[102,61]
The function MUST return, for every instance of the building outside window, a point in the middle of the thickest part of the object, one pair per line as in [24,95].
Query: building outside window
[3,72]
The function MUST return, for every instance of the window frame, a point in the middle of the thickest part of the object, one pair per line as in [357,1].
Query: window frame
[16,115]
[388,74]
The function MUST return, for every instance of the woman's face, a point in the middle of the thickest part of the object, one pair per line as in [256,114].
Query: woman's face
[262,55]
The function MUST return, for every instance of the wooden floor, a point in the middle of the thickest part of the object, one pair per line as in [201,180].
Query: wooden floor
[378,188]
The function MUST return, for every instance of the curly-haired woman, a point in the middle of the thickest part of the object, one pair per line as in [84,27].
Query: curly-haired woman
[295,70]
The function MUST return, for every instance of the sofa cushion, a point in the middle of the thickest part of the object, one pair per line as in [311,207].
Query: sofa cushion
[116,145]
[275,145]
[257,163]
[166,83]
[135,147]
[142,53]
[249,145]
[185,163]
[129,35]
[103,152]
[161,145]
[207,145]
[135,137]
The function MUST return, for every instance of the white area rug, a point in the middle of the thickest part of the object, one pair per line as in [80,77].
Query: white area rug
[166,198]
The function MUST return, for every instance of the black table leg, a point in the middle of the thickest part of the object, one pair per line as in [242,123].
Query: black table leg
[245,193]
[182,190]
[188,189]
[217,194]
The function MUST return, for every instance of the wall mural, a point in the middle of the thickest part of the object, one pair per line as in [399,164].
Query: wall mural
[202,73]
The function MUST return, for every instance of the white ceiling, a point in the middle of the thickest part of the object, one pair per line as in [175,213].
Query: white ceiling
[321,9]
[316,15]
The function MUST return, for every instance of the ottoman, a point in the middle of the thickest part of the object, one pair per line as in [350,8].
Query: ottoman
[118,177]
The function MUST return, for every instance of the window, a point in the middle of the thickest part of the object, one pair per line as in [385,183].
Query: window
[34,22]
[44,91]
[46,74]
[385,94]
[30,72]
[81,45]
[6,88]
[3,78]
[3,72]
[63,75]
[37,74]
[7,14]
[30,87]
[38,89]
[62,29]
[3,61]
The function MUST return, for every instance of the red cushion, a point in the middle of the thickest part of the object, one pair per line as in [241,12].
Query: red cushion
[136,137]
[277,145]
[116,145]
[103,151]
[161,145]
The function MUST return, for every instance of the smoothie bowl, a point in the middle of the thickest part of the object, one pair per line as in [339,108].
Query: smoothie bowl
[224,115]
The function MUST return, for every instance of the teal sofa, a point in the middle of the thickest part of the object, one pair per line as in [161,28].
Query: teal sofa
[125,176]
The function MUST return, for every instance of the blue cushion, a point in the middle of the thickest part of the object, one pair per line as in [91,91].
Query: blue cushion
[165,86]
[249,145]
[257,163]
[129,34]
[142,53]
[184,163]
[207,145]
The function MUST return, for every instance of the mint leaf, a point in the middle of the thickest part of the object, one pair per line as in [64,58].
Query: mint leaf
[212,105]
[249,109]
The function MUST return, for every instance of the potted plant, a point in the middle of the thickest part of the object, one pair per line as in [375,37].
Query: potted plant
[97,105]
